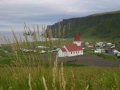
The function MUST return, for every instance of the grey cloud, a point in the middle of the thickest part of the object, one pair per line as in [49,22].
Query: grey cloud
[15,13]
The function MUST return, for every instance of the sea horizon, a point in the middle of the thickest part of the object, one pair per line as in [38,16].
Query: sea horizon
[9,35]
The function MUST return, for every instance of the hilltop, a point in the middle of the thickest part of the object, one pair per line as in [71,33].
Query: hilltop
[102,25]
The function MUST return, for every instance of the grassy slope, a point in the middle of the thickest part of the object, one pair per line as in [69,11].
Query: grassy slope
[105,25]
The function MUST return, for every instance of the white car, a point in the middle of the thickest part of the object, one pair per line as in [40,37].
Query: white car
[55,50]
[25,50]
[42,51]
[97,51]
[115,51]
[112,47]
[34,51]
[50,51]
[118,54]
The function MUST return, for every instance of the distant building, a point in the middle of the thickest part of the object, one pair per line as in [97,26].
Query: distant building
[100,44]
[90,45]
[73,49]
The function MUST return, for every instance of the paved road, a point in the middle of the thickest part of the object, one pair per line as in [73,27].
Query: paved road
[90,60]
[109,51]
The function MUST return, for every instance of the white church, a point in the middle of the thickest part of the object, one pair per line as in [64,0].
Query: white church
[73,49]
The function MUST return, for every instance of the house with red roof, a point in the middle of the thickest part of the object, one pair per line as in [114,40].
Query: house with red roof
[90,45]
[73,49]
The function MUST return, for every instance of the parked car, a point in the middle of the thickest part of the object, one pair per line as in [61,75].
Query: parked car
[50,51]
[112,47]
[34,51]
[55,49]
[97,51]
[115,52]
[22,49]
[42,51]
[118,54]
[25,50]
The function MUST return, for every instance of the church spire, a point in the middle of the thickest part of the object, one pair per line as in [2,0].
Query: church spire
[77,38]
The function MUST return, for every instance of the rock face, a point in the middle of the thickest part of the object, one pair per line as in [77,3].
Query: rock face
[105,25]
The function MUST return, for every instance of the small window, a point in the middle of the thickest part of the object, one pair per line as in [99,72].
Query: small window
[71,52]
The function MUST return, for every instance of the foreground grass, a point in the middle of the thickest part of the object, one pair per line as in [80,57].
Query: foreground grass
[76,77]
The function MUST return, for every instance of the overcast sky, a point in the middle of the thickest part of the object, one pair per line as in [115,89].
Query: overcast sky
[13,13]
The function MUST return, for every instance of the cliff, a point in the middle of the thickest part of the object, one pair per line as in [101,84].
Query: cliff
[104,25]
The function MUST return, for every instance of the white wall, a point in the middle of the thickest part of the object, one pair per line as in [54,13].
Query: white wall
[81,52]
[67,52]
[61,54]
[75,53]
[64,54]
[77,42]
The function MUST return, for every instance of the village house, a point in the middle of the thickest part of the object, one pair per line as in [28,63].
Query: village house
[90,45]
[100,44]
[73,49]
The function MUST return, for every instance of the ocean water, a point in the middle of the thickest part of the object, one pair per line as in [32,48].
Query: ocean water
[9,35]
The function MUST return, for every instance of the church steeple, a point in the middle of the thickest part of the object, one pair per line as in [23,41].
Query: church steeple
[77,39]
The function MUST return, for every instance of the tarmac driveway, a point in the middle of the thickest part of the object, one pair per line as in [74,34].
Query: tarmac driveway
[91,60]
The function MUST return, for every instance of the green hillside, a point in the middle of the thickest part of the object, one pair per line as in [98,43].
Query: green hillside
[103,25]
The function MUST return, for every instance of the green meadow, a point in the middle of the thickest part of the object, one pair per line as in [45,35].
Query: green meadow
[68,77]
[29,71]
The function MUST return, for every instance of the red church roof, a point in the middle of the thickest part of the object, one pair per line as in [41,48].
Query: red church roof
[73,47]
[63,49]
[77,38]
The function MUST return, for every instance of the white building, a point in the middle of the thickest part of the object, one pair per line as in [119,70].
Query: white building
[74,49]
[100,44]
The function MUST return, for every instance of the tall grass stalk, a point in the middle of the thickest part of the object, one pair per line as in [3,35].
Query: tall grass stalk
[14,48]
[87,88]
[63,82]
[44,83]
[59,32]
[73,81]
[29,82]
[55,73]
[69,28]
[50,38]
[63,34]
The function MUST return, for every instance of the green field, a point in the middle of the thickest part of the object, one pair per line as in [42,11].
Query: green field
[18,73]
[61,78]
[28,71]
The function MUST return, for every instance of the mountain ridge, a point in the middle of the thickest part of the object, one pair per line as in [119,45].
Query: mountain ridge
[103,25]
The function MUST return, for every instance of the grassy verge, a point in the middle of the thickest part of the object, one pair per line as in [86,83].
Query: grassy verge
[105,56]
